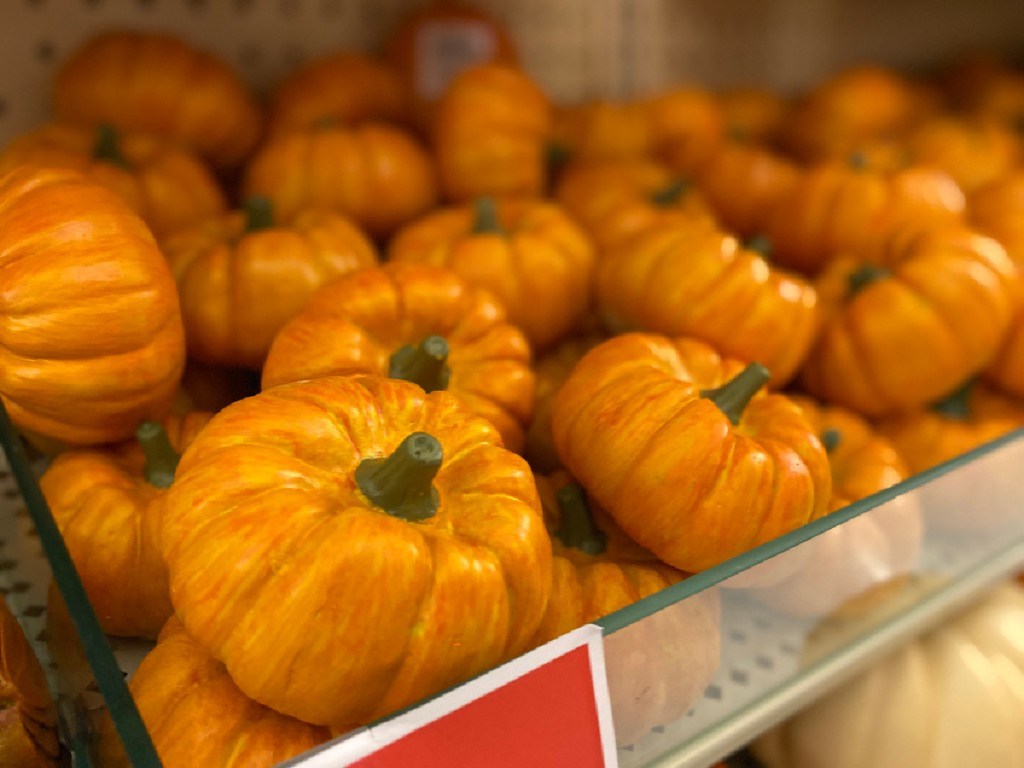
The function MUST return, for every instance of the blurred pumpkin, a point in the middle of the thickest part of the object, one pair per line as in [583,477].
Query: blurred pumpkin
[973,152]
[598,131]
[997,209]
[419,323]
[242,276]
[753,115]
[687,126]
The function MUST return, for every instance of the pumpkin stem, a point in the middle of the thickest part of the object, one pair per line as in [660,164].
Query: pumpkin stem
[425,364]
[402,484]
[107,148]
[831,438]
[865,276]
[485,217]
[760,244]
[858,160]
[733,396]
[670,194]
[956,405]
[259,213]
[576,526]
[558,155]
[161,458]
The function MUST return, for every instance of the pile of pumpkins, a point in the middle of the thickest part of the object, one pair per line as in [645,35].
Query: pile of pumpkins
[467,369]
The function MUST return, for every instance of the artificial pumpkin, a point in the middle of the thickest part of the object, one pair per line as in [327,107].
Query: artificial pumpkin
[377,174]
[686,126]
[242,276]
[839,206]
[598,131]
[707,285]
[155,83]
[997,209]
[105,504]
[384,522]
[28,726]
[528,253]
[165,184]
[678,445]
[342,88]
[91,341]
[490,135]
[906,324]
[973,152]
[615,200]
[753,115]
[196,715]
[419,323]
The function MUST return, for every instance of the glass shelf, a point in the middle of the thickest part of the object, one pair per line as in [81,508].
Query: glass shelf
[695,671]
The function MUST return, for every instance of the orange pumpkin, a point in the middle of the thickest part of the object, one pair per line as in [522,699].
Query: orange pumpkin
[156,83]
[242,276]
[28,727]
[705,284]
[997,209]
[837,207]
[166,185]
[687,126]
[528,253]
[973,152]
[598,131]
[105,504]
[340,88]
[754,115]
[906,324]
[387,523]
[490,135]
[669,438]
[615,200]
[374,173]
[91,341]
[196,715]
[419,323]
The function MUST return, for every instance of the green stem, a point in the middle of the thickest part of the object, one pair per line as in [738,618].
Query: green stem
[402,484]
[671,194]
[858,161]
[259,213]
[485,217]
[107,148]
[425,364]
[733,396]
[831,438]
[576,526]
[558,156]
[956,405]
[760,244]
[865,276]
[161,458]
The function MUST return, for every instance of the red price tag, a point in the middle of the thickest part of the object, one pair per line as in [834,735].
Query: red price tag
[548,707]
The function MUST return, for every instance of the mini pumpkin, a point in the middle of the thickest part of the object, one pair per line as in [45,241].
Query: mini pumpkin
[419,323]
[686,127]
[599,131]
[165,184]
[670,438]
[997,209]
[905,325]
[490,135]
[973,152]
[242,276]
[374,173]
[156,83]
[105,504]
[528,253]
[91,341]
[387,523]
[753,115]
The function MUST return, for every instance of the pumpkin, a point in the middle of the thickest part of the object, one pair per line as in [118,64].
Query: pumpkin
[997,209]
[242,276]
[754,115]
[686,127]
[954,697]
[906,325]
[105,504]
[166,185]
[873,547]
[387,523]
[707,285]
[598,131]
[28,728]
[156,83]
[743,183]
[669,437]
[973,152]
[340,88]
[836,207]
[196,715]
[490,135]
[435,43]
[376,174]
[551,371]
[419,323]
[528,253]
[615,200]
[91,341]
